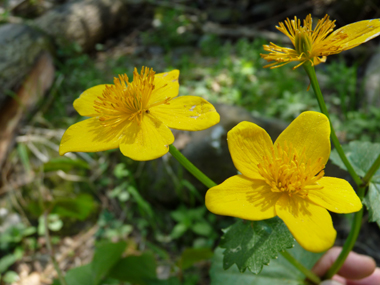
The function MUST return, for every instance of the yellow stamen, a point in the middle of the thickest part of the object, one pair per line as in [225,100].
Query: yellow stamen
[127,100]
[285,170]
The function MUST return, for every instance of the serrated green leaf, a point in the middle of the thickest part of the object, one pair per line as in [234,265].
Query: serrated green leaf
[136,269]
[107,254]
[372,202]
[279,271]
[361,155]
[253,244]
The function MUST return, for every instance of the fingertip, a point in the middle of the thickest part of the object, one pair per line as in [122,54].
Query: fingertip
[358,266]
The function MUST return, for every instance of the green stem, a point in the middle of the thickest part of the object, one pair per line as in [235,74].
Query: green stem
[51,252]
[309,274]
[375,166]
[348,245]
[190,167]
[314,82]
[357,221]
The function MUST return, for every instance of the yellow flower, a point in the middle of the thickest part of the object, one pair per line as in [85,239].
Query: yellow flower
[136,116]
[285,179]
[315,45]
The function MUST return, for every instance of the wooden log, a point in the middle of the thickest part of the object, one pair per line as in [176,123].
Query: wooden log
[20,45]
[34,87]
[86,22]
[26,52]
[82,22]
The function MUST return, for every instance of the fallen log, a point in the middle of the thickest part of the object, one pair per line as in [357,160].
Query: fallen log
[24,45]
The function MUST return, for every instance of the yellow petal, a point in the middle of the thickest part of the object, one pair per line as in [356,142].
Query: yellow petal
[165,86]
[85,103]
[90,136]
[248,144]
[358,33]
[147,141]
[189,113]
[309,132]
[337,196]
[310,224]
[243,198]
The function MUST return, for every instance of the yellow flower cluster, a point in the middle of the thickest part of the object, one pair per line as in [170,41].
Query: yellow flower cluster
[284,179]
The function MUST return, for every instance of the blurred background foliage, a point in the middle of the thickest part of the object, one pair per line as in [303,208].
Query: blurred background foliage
[97,200]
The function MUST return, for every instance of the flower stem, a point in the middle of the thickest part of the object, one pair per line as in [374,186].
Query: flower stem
[191,167]
[348,245]
[314,82]
[375,166]
[357,221]
[309,274]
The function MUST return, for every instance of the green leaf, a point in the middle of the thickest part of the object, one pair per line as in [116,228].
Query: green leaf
[9,259]
[372,202]
[279,271]
[80,275]
[54,223]
[361,155]
[107,254]
[79,207]
[252,244]
[65,164]
[143,204]
[202,228]
[23,153]
[120,171]
[193,255]
[135,269]
[10,277]
[178,230]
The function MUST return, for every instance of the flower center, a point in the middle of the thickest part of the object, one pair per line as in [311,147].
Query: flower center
[284,170]
[303,43]
[127,100]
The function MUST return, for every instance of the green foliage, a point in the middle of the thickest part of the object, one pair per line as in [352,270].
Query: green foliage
[280,270]
[253,244]
[112,228]
[361,155]
[372,202]
[171,28]
[192,255]
[135,269]
[362,125]
[342,83]
[190,219]
[79,207]
[7,260]
[10,277]
[54,223]
[108,266]
[14,235]
[105,258]
[65,164]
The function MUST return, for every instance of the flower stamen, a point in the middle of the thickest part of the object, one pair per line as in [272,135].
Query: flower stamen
[285,170]
[127,100]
